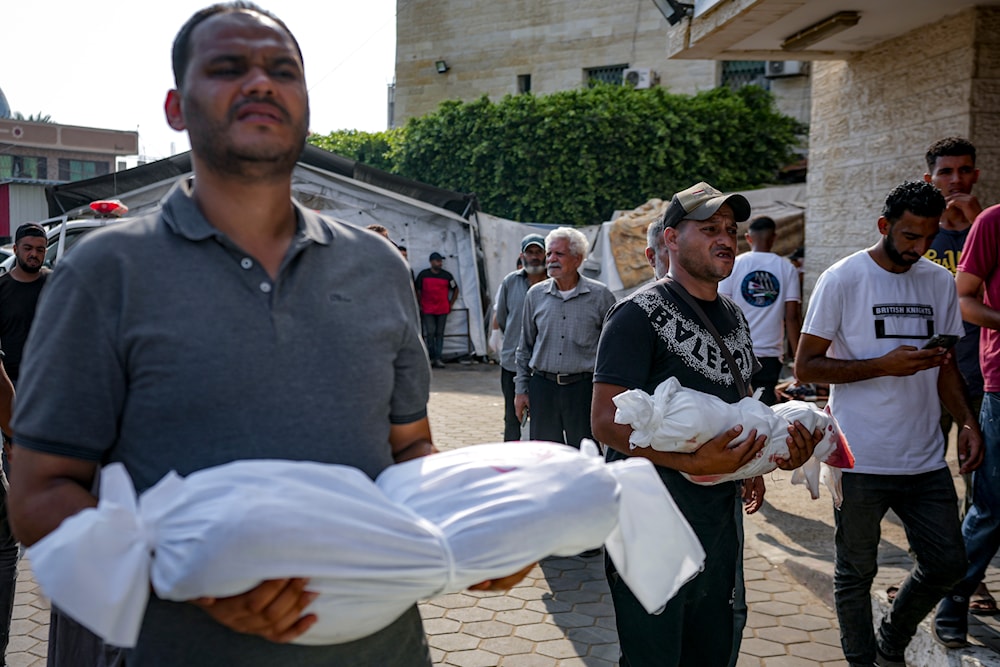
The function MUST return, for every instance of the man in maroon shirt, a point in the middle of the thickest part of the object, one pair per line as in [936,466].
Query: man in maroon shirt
[437,292]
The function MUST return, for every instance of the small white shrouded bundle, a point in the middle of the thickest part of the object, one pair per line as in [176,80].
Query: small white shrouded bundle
[678,419]
[426,527]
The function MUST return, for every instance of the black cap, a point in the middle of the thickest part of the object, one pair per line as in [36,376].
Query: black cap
[436,255]
[29,229]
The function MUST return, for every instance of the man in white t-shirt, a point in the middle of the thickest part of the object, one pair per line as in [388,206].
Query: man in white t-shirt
[766,288]
[869,320]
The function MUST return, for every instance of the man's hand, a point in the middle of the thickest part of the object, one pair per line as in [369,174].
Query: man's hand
[753,494]
[908,360]
[966,204]
[272,610]
[801,444]
[719,457]
[970,448]
[520,405]
[503,583]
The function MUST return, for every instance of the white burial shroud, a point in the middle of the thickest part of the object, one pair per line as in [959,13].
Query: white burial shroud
[678,419]
[426,527]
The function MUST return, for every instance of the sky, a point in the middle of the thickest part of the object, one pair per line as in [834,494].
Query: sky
[106,63]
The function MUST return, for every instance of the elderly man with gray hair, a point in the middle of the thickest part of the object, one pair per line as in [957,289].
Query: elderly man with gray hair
[560,327]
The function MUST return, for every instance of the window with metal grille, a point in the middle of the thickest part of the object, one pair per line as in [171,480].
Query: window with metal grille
[612,75]
[77,170]
[19,166]
[739,73]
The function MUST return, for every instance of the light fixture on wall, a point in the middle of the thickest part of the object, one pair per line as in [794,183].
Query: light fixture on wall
[673,10]
[817,32]
[441,66]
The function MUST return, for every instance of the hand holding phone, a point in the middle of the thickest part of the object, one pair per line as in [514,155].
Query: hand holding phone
[947,341]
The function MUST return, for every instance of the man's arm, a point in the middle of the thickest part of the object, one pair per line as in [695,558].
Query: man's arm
[793,323]
[6,402]
[812,364]
[411,441]
[955,396]
[44,490]
[970,300]
[715,457]
[522,358]
[454,294]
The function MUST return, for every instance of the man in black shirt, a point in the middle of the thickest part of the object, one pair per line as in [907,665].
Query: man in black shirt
[19,292]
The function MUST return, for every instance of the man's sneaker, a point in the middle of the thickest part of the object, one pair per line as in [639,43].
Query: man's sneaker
[883,660]
[437,363]
[948,638]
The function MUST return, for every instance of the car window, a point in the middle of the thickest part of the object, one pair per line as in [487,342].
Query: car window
[72,236]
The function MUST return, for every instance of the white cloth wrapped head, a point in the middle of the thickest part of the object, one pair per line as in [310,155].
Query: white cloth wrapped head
[425,527]
[678,419]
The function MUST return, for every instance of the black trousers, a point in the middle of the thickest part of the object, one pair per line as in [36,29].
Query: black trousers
[560,413]
[511,427]
[766,378]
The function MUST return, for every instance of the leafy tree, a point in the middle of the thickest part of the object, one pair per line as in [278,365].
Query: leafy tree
[372,148]
[575,156]
[33,118]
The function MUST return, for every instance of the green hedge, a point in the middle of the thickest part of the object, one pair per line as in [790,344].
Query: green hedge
[573,157]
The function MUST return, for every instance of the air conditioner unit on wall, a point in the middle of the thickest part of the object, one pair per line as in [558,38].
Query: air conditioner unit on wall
[779,68]
[640,77]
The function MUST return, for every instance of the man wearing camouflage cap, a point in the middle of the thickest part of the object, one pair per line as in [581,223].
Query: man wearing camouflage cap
[650,336]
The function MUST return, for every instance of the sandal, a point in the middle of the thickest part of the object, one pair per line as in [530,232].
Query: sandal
[890,591]
[981,603]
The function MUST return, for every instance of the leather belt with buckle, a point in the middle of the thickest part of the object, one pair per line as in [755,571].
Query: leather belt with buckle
[564,378]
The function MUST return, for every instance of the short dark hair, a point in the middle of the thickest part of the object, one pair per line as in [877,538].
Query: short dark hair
[181,52]
[29,229]
[762,223]
[917,197]
[951,146]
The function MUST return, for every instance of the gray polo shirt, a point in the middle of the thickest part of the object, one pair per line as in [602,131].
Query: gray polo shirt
[557,335]
[159,343]
[510,306]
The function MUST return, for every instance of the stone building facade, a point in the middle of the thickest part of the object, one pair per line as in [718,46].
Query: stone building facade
[509,46]
[874,115]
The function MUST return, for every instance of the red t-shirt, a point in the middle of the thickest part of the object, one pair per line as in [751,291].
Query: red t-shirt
[980,257]
[435,289]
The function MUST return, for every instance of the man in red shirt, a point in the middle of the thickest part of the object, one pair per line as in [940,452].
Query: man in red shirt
[437,292]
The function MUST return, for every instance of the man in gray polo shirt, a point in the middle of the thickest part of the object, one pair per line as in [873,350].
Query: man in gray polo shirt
[234,324]
[510,307]
[561,324]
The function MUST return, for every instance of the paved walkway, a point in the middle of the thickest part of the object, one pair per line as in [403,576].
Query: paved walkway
[561,614]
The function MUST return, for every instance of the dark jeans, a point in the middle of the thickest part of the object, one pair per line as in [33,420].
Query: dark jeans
[72,645]
[511,426]
[697,627]
[927,506]
[433,334]
[766,378]
[981,528]
[8,570]
[560,413]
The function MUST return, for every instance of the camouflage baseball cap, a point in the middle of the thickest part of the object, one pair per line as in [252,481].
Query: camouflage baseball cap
[700,202]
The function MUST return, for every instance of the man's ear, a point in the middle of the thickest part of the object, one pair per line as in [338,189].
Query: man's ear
[651,257]
[670,237]
[884,226]
[927,178]
[172,110]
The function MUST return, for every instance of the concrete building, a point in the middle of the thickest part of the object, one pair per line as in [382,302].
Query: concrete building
[888,78]
[463,49]
[33,155]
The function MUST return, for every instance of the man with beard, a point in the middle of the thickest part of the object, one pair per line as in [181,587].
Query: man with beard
[867,331]
[655,334]
[509,308]
[19,291]
[561,324]
[232,324]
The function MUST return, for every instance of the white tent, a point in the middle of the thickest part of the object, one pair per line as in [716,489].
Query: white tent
[420,226]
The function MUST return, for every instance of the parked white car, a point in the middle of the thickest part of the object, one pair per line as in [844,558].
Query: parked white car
[63,234]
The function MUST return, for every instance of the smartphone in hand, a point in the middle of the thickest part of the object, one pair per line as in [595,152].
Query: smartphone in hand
[947,341]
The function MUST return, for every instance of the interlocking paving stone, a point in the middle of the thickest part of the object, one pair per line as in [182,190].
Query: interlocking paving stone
[761,647]
[520,617]
[805,622]
[817,652]
[453,641]
[784,635]
[470,614]
[775,608]
[488,629]
[530,660]
[507,645]
[474,658]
